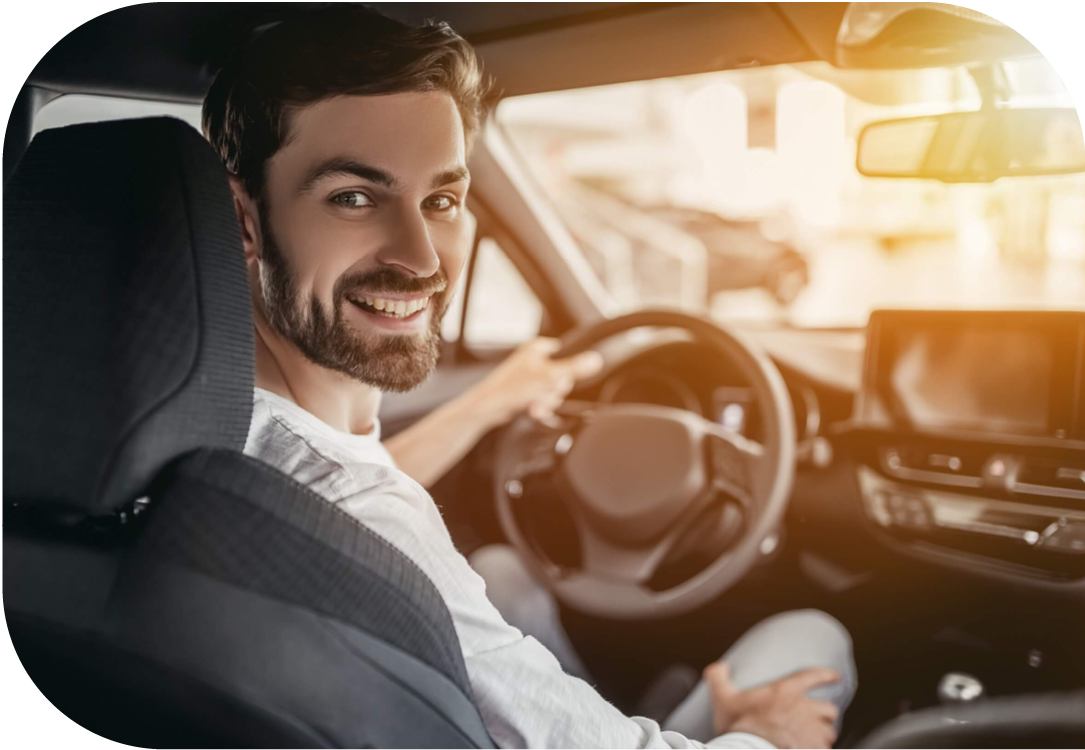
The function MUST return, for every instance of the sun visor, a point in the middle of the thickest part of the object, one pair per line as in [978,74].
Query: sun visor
[921,35]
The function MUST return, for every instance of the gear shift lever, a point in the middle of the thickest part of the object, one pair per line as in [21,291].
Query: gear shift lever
[958,687]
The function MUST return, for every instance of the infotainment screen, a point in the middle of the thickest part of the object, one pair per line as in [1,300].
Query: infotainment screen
[971,378]
[994,372]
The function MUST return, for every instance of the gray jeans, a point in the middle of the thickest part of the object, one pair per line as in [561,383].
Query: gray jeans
[774,648]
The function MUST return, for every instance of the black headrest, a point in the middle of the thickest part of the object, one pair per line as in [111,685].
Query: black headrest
[128,335]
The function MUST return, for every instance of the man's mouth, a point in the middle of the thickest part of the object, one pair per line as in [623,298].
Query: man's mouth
[390,308]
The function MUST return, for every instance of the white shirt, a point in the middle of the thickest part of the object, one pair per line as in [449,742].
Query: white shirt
[524,697]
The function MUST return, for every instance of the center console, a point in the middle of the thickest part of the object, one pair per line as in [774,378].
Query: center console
[970,434]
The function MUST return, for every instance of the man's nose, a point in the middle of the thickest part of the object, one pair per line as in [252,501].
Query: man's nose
[411,247]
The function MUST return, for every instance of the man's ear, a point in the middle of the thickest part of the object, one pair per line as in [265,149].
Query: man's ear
[247,218]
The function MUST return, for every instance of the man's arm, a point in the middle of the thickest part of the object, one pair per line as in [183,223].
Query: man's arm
[526,700]
[529,380]
[426,450]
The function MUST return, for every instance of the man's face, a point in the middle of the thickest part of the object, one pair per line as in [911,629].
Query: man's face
[364,234]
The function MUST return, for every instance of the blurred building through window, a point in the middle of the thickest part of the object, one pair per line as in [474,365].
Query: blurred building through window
[736,192]
[502,310]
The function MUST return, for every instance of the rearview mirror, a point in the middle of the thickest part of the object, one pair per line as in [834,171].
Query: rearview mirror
[978,146]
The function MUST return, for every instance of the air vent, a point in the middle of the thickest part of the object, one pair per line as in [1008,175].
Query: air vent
[958,467]
[1051,478]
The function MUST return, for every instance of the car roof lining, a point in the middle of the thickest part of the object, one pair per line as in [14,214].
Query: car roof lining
[170,52]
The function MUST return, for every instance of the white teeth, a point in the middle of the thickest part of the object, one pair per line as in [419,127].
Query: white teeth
[398,308]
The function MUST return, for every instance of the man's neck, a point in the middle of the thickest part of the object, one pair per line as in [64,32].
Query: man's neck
[336,400]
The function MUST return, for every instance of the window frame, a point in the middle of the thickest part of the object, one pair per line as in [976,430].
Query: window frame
[555,318]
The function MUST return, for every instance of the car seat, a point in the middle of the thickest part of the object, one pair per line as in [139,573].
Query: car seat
[160,587]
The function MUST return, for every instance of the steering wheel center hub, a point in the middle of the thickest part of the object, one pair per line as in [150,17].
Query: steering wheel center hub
[635,468]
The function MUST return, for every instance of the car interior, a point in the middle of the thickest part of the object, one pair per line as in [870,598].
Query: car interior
[845,371]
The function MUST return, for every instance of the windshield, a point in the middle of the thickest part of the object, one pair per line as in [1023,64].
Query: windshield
[736,193]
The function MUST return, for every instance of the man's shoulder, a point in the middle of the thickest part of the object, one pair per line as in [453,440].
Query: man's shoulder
[275,441]
[311,459]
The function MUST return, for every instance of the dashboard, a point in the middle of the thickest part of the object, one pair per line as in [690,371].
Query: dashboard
[969,433]
[957,437]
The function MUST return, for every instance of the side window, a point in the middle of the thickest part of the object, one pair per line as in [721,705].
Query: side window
[502,310]
[72,109]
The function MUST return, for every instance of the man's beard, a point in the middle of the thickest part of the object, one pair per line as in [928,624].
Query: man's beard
[392,362]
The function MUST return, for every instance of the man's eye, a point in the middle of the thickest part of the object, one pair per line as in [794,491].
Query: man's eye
[441,203]
[352,199]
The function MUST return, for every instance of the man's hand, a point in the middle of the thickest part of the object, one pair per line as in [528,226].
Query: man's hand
[529,380]
[778,711]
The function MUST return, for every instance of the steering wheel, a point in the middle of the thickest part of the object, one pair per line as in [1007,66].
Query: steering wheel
[640,481]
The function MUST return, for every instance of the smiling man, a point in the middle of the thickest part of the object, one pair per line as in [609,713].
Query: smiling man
[346,135]
[355,235]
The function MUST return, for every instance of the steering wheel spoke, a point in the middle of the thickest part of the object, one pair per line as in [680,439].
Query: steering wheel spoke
[610,559]
[538,445]
[605,559]
[734,464]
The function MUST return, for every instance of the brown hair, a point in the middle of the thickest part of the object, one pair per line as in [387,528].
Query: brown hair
[341,49]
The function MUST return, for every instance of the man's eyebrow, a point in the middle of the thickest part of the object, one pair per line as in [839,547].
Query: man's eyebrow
[459,174]
[343,166]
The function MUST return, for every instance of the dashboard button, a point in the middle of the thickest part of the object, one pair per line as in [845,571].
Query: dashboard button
[909,511]
[877,507]
[1064,536]
[942,461]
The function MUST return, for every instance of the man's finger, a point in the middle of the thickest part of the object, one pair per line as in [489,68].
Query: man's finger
[560,386]
[540,411]
[557,398]
[718,676]
[582,365]
[829,736]
[825,710]
[545,344]
[811,678]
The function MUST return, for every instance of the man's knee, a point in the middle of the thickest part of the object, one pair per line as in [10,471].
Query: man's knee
[800,639]
[812,627]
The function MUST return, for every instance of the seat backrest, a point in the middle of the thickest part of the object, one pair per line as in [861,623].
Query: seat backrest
[161,588]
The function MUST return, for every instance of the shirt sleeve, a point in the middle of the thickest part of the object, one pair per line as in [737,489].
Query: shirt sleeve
[527,700]
[523,695]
